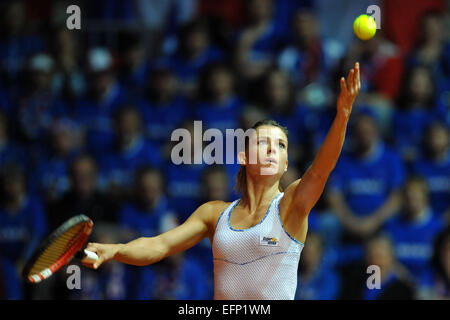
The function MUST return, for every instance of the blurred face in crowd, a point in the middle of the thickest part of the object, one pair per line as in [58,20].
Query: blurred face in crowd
[134,56]
[278,89]
[415,198]
[365,134]
[101,82]
[41,80]
[250,116]
[216,185]
[63,141]
[150,187]
[220,83]
[305,26]
[128,127]
[196,41]
[420,85]
[84,176]
[437,140]
[259,10]
[379,252]
[65,41]
[433,28]
[163,86]
[15,17]
[13,186]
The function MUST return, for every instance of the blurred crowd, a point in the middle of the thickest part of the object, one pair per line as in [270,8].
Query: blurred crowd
[86,118]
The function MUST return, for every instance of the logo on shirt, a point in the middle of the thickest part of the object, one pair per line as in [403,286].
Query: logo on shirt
[268,241]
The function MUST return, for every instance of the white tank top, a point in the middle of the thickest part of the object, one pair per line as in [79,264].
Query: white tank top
[257,263]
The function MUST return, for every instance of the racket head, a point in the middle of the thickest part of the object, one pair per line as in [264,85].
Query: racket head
[58,249]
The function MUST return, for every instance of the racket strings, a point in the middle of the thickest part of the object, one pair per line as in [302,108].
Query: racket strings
[57,249]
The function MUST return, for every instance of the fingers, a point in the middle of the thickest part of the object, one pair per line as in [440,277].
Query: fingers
[358,79]
[343,86]
[94,247]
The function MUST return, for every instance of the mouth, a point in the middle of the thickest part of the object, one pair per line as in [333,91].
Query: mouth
[270,161]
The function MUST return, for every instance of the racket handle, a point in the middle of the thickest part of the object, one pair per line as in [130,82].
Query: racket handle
[90,256]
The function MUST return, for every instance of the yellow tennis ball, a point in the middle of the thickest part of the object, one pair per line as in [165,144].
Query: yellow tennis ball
[364,27]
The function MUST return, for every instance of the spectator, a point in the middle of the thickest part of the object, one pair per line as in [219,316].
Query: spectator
[194,51]
[83,195]
[441,265]
[10,283]
[179,277]
[304,60]
[323,221]
[149,210]
[218,105]
[163,107]
[317,279]
[250,115]
[259,42]
[157,15]
[434,166]
[279,101]
[135,66]
[69,80]
[394,282]
[115,282]
[23,221]
[50,169]
[414,112]
[17,43]
[413,232]
[95,109]
[11,152]
[38,106]
[364,188]
[129,150]
[381,64]
[183,180]
[215,184]
[432,49]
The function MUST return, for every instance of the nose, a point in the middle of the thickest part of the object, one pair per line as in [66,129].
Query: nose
[272,148]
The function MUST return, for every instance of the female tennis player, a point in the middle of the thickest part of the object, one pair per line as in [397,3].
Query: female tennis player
[257,240]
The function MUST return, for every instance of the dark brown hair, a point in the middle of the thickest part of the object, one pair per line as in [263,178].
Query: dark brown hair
[241,178]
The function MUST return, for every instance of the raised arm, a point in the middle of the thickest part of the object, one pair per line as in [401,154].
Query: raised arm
[301,196]
[147,250]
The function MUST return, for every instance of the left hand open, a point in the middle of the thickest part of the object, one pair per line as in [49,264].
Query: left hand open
[349,91]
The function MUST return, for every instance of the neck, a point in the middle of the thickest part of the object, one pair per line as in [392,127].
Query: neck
[259,194]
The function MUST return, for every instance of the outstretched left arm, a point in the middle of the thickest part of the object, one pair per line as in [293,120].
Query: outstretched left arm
[301,196]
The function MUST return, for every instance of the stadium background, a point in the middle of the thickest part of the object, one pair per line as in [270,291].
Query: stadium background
[86,117]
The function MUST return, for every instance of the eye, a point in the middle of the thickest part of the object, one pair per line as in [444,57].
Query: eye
[262,141]
[282,145]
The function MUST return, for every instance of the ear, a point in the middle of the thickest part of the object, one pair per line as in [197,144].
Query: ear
[287,164]
[241,158]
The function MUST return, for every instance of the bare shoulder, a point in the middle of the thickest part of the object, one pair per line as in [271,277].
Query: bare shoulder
[210,211]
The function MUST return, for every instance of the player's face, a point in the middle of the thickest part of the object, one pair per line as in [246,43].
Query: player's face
[269,145]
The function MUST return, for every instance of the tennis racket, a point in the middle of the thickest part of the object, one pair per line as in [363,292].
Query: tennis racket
[59,248]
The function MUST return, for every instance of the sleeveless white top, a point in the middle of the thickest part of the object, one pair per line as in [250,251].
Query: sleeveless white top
[257,263]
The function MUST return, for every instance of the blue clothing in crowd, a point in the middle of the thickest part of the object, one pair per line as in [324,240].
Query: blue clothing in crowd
[437,175]
[367,183]
[160,120]
[21,232]
[119,166]
[145,223]
[413,243]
